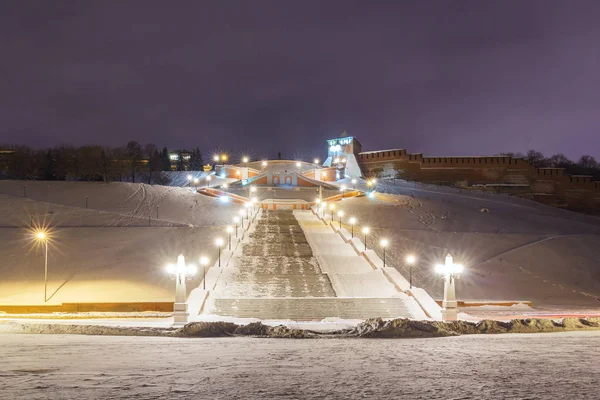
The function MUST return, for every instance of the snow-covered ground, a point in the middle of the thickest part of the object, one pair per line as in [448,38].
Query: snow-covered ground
[107,252]
[518,250]
[515,366]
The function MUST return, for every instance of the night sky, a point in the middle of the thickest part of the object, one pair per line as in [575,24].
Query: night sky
[438,77]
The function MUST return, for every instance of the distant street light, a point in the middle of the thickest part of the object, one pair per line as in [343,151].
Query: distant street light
[189,178]
[236,220]
[354,183]
[298,164]
[323,208]
[42,236]
[340,214]
[343,189]
[316,161]
[196,180]
[331,208]
[352,223]
[449,272]
[216,158]
[384,244]
[410,260]
[229,230]
[225,186]
[208,181]
[245,160]
[264,164]
[203,262]
[219,243]
[181,272]
[242,213]
[365,231]
[247,205]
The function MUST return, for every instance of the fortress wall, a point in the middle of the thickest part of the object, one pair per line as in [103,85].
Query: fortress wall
[515,175]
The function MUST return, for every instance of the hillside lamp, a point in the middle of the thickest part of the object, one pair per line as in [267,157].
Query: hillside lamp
[410,260]
[343,189]
[254,203]
[365,232]
[225,186]
[336,160]
[241,212]
[181,272]
[450,272]
[331,208]
[189,178]
[352,223]
[196,180]
[252,190]
[245,160]
[236,220]
[323,208]
[229,230]
[340,214]
[264,164]
[316,161]
[204,263]
[247,205]
[208,181]
[42,236]
[224,158]
[216,158]
[384,243]
[219,243]
[353,183]
[323,175]
[298,164]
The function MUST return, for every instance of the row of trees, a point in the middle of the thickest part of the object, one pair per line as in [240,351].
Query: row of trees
[586,165]
[132,163]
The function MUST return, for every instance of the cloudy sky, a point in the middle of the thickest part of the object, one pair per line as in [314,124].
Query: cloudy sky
[438,77]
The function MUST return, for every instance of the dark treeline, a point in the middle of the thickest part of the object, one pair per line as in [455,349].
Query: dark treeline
[586,165]
[130,163]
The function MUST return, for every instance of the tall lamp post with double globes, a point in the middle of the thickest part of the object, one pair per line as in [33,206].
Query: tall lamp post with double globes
[181,272]
[450,272]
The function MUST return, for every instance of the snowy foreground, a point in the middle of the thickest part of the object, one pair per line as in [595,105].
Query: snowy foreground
[558,365]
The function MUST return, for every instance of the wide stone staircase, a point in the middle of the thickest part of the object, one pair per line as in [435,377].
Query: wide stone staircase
[275,276]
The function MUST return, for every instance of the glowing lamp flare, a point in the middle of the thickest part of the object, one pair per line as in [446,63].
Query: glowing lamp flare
[384,242]
[449,268]
[411,259]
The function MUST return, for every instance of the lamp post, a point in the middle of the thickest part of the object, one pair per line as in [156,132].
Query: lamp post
[254,203]
[365,232]
[219,243]
[353,183]
[331,208]
[410,260]
[181,272]
[449,272]
[343,189]
[236,220]
[43,237]
[247,205]
[196,180]
[203,262]
[316,161]
[352,223]
[245,160]
[189,179]
[264,164]
[241,212]
[340,214]
[208,181]
[229,230]
[384,244]
[298,164]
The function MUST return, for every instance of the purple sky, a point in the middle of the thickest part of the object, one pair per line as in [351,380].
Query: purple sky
[438,77]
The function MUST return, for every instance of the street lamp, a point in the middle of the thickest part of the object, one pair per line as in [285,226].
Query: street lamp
[242,212]
[216,158]
[353,183]
[384,243]
[203,262]
[340,214]
[236,220]
[343,189]
[208,181]
[196,180]
[189,178]
[449,272]
[229,230]
[352,223]
[225,186]
[323,208]
[247,205]
[254,203]
[181,273]
[298,164]
[245,160]
[410,260]
[331,208]
[365,231]
[316,161]
[219,243]
[264,164]
[43,237]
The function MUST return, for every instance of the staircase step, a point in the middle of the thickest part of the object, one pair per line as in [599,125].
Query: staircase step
[312,309]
